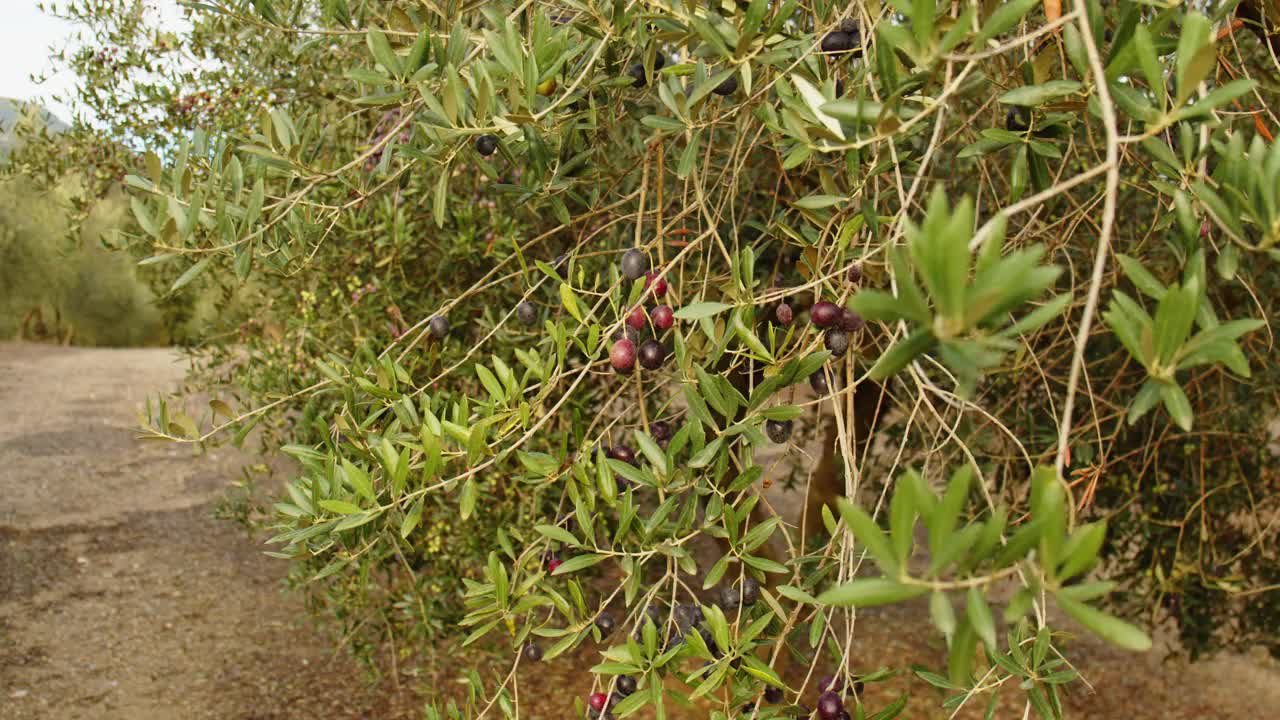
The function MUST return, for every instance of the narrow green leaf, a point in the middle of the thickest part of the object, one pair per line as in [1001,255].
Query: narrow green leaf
[1082,549]
[467,498]
[1033,95]
[979,614]
[699,310]
[578,562]
[341,507]
[869,592]
[557,533]
[1111,629]
[191,273]
[869,534]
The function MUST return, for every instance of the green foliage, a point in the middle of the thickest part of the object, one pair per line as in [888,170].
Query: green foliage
[967,320]
[1242,194]
[456,474]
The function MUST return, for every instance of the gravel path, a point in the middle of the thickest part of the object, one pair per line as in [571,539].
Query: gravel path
[120,594]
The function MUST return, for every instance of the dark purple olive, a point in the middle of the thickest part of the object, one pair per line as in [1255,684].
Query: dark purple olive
[439,327]
[660,431]
[622,453]
[652,355]
[773,694]
[731,598]
[651,614]
[605,622]
[710,641]
[527,313]
[561,266]
[687,616]
[487,145]
[634,264]
[778,431]
[728,87]
[532,653]
[847,38]
[1018,119]
[636,72]
[836,42]
[625,685]
[851,321]
[825,314]
[626,332]
[831,683]
[829,706]
[819,382]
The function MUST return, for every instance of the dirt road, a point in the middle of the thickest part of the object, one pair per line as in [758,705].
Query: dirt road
[120,594]
[122,597]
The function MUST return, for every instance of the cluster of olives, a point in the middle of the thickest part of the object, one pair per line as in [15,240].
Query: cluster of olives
[838,323]
[651,353]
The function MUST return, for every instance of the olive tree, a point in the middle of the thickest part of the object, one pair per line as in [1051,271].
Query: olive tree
[539,281]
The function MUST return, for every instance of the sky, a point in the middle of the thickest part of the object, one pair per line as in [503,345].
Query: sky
[26,36]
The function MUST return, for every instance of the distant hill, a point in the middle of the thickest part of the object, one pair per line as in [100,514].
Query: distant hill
[12,111]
